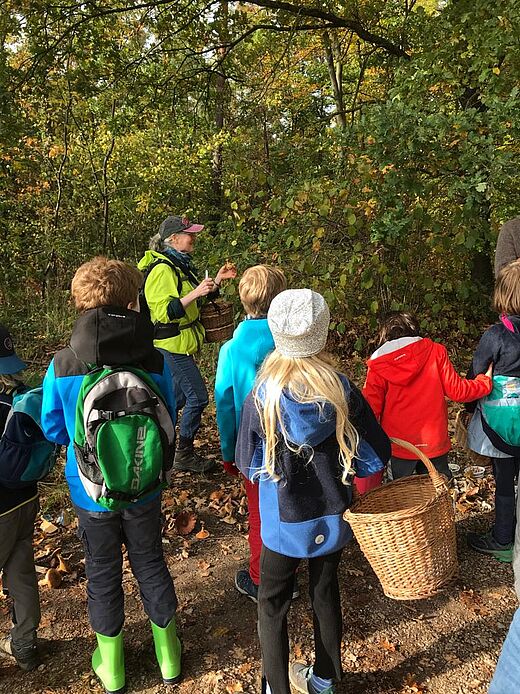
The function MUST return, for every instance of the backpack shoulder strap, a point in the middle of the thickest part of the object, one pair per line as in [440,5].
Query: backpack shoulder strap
[164,261]
[6,404]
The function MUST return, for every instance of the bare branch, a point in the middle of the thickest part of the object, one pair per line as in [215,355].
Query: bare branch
[334,21]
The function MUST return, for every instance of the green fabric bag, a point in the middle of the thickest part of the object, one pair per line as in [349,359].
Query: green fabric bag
[501,409]
[124,436]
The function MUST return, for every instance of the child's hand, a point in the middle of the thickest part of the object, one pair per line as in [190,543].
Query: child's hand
[489,372]
[465,418]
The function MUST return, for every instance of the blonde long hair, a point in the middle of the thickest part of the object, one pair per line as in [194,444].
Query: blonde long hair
[506,297]
[306,380]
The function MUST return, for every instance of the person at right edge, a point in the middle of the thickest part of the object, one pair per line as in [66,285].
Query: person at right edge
[305,431]
[494,429]
[507,674]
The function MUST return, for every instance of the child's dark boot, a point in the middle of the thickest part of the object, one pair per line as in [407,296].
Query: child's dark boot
[487,544]
[245,585]
[187,459]
[26,656]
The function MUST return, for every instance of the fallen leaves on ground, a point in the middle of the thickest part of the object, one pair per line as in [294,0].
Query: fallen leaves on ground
[47,527]
[472,600]
[388,645]
[411,686]
[52,579]
[471,494]
[204,568]
[230,505]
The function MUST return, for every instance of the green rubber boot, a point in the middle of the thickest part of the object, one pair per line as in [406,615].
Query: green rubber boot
[168,651]
[108,662]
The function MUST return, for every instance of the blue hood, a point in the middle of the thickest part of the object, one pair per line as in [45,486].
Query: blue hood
[307,423]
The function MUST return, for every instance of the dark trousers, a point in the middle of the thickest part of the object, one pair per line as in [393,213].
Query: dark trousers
[402,467]
[505,470]
[102,534]
[191,394]
[274,599]
[19,574]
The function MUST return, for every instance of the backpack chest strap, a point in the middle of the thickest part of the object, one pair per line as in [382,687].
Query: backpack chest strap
[109,415]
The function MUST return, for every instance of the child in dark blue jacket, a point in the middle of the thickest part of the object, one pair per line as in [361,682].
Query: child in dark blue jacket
[494,429]
[111,331]
[305,431]
[18,509]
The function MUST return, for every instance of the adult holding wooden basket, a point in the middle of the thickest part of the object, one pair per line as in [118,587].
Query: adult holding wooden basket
[172,291]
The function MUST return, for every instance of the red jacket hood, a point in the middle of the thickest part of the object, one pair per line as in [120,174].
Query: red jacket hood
[400,361]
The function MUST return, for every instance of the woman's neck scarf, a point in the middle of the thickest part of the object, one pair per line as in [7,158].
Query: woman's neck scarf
[183,259]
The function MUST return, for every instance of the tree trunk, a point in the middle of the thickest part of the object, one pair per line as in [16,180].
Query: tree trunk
[335,69]
[220,115]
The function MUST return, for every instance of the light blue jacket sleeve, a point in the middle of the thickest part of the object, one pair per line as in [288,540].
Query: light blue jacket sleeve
[53,417]
[225,405]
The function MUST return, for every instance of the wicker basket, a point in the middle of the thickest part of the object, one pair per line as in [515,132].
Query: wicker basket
[406,530]
[217,319]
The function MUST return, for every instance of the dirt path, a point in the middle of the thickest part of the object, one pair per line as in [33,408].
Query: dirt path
[446,645]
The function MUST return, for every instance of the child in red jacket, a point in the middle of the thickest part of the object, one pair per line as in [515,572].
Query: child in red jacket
[408,380]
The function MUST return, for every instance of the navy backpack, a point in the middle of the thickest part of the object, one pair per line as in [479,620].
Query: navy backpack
[25,454]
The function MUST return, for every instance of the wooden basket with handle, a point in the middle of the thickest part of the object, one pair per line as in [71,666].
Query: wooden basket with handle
[217,319]
[406,530]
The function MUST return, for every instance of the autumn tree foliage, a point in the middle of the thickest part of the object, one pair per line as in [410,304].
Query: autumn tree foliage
[369,147]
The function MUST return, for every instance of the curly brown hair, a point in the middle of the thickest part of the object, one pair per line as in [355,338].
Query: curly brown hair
[104,282]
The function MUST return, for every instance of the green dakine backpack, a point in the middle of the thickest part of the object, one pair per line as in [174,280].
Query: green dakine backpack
[124,436]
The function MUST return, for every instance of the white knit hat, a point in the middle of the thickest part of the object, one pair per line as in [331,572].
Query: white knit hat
[299,321]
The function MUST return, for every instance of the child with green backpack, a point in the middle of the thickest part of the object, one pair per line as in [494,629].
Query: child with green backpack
[108,397]
[494,429]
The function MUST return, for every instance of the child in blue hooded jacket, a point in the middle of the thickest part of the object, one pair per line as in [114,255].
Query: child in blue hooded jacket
[238,363]
[305,431]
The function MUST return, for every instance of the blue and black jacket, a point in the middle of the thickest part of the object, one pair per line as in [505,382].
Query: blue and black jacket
[11,499]
[102,336]
[302,512]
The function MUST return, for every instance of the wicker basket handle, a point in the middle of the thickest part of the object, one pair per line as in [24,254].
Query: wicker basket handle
[437,480]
